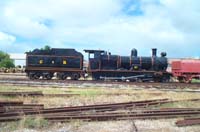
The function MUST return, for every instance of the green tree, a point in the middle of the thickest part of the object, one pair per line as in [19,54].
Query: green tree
[5,60]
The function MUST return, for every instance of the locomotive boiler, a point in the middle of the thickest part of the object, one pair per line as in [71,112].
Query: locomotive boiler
[103,65]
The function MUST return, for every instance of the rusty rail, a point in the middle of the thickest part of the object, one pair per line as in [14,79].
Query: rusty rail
[35,93]
[9,103]
[102,112]
[188,122]
[65,83]
[107,116]
[22,93]
[15,106]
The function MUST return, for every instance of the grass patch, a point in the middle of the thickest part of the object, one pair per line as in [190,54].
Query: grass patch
[8,127]
[87,92]
[34,123]
[27,122]
[195,81]
[74,90]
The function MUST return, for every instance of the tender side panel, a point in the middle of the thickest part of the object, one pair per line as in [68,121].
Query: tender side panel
[71,62]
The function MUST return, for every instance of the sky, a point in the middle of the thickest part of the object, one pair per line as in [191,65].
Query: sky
[117,26]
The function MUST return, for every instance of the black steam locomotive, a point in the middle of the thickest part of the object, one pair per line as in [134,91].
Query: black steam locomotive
[101,66]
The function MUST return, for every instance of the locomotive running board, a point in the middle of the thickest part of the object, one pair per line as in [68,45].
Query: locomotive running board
[121,78]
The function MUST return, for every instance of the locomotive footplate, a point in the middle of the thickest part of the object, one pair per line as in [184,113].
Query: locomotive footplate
[138,76]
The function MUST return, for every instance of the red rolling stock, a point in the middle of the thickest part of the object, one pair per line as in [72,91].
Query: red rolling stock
[186,70]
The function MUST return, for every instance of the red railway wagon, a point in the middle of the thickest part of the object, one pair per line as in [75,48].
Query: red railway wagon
[186,70]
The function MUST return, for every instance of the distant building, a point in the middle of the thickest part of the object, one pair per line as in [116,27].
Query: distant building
[19,59]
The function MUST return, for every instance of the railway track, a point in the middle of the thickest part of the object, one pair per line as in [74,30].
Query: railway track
[3,76]
[146,109]
[40,93]
[12,74]
[35,93]
[188,122]
[18,106]
[31,93]
[176,87]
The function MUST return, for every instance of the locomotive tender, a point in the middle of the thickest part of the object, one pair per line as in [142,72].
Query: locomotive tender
[44,63]
[102,65]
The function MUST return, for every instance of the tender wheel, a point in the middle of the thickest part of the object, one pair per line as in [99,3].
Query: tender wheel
[61,76]
[36,76]
[48,76]
[31,76]
[75,76]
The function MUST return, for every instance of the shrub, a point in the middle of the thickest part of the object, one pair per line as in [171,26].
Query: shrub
[5,60]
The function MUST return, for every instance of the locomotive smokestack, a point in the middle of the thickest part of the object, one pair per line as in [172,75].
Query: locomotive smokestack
[154,52]
[134,53]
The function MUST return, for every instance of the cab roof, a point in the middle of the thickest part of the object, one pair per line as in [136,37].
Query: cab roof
[94,51]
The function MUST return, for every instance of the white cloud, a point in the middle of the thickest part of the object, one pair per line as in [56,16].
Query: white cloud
[6,41]
[6,38]
[24,17]
[165,24]
[185,14]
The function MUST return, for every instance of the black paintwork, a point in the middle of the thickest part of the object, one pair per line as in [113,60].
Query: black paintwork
[103,64]
[54,58]
[105,61]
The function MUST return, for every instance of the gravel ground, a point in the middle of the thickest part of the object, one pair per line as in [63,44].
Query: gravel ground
[118,126]
[90,97]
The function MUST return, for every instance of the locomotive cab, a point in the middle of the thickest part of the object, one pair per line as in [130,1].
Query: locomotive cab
[94,58]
